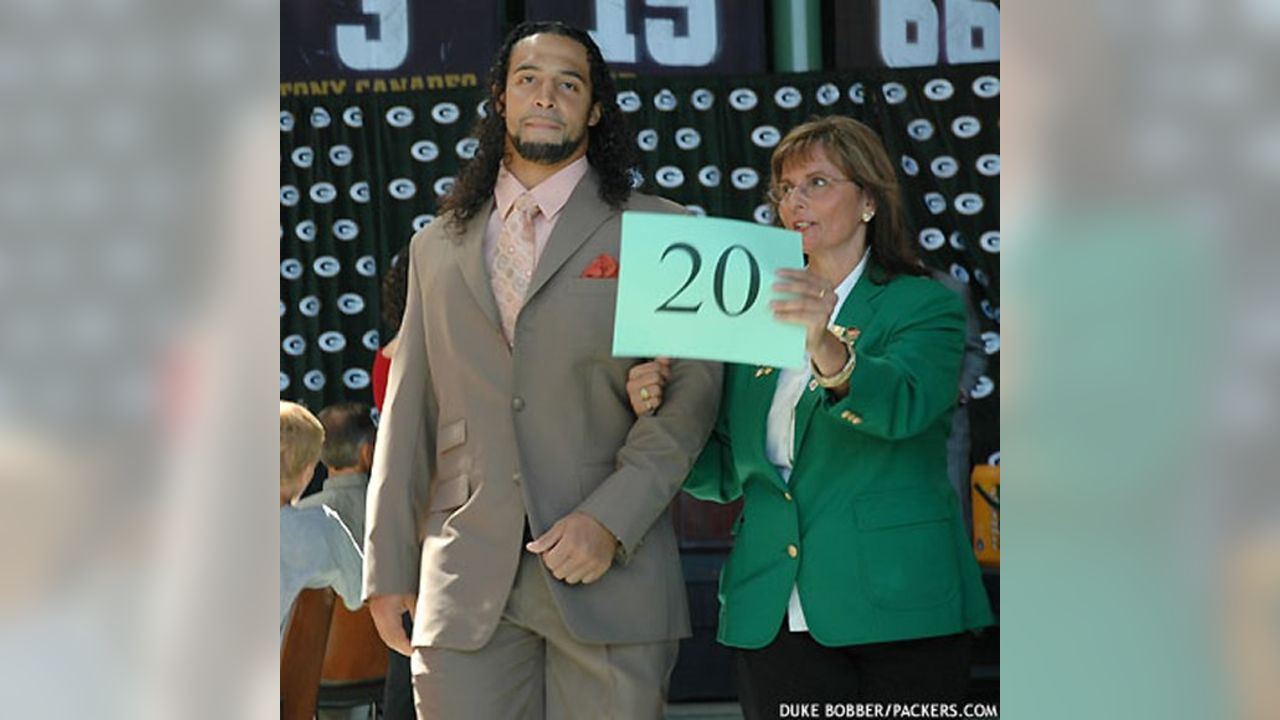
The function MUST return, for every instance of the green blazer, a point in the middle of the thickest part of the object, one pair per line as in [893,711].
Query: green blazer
[868,527]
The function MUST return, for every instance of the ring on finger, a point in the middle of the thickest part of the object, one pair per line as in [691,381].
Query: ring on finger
[644,394]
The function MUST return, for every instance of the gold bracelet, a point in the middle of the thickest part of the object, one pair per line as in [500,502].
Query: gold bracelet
[846,337]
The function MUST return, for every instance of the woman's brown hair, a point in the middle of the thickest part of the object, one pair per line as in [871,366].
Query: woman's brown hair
[857,150]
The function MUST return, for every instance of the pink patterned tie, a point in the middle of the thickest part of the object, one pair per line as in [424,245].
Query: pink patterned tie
[512,264]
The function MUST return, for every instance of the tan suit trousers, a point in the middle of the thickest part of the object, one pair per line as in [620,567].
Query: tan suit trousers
[533,669]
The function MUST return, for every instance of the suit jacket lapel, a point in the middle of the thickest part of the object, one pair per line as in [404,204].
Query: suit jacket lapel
[754,401]
[580,217]
[804,414]
[469,247]
[855,312]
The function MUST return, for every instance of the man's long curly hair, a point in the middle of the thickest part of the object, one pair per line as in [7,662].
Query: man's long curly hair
[609,148]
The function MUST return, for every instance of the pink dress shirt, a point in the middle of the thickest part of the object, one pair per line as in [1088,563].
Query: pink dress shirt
[551,195]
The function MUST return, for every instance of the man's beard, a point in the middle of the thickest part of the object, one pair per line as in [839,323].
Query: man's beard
[547,153]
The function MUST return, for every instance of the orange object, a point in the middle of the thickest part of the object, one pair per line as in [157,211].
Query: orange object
[985,487]
[354,652]
[604,267]
[302,653]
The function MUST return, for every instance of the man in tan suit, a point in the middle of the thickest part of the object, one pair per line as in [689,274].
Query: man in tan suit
[517,507]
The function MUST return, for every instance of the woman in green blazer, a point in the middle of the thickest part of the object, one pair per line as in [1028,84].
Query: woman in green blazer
[851,578]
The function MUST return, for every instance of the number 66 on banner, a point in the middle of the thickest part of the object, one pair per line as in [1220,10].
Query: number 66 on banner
[700,288]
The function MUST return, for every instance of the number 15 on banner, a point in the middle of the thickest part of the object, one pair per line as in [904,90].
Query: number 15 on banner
[700,288]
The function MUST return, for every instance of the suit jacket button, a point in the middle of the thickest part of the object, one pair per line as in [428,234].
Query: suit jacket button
[792,550]
[787,495]
[517,404]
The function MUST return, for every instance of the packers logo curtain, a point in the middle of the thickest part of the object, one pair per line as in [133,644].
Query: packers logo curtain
[361,173]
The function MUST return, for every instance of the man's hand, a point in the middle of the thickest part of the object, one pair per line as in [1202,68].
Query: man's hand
[577,549]
[387,611]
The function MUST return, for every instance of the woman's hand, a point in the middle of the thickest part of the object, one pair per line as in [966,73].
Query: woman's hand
[815,299]
[644,385]
[811,307]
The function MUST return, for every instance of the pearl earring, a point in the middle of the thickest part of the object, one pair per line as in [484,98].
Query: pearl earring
[867,215]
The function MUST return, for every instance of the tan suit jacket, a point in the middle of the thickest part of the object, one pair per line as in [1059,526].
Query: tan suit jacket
[475,435]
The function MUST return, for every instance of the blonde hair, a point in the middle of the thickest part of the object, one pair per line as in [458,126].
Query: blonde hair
[301,437]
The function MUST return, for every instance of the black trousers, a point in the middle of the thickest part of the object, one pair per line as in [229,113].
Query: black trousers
[795,668]
[397,698]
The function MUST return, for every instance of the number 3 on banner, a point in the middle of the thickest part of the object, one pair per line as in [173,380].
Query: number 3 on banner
[389,51]
[722,265]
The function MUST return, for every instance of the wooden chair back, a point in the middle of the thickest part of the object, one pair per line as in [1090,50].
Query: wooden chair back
[302,653]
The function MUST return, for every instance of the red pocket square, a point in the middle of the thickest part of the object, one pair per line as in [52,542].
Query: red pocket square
[604,267]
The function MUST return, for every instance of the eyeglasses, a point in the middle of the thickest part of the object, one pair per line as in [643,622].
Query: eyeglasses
[811,189]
